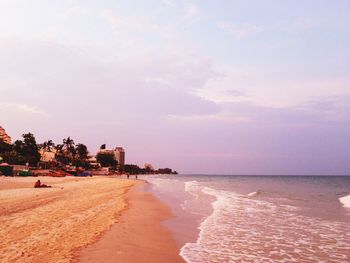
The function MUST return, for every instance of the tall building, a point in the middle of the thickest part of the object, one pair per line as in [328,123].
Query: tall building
[120,157]
[4,136]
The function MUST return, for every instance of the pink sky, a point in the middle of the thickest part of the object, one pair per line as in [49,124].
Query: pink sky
[190,85]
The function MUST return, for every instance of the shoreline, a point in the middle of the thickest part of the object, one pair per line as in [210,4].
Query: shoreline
[80,219]
[137,236]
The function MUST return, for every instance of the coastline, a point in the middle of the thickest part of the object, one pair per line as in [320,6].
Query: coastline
[137,236]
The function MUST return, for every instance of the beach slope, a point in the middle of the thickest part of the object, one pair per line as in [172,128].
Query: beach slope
[49,224]
[138,236]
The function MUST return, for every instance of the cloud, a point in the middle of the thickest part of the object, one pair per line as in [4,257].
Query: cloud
[269,87]
[160,81]
[301,24]
[129,22]
[10,108]
[220,117]
[62,90]
[150,85]
[77,11]
[330,109]
[168,3]
[191,13]
[111,18]
[147,102]
[294,140]
[235,93]
[240,31]
[131,79]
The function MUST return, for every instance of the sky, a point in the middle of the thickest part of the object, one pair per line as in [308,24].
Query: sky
[216,87]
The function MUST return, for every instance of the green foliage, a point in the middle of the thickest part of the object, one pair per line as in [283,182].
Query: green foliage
[23,151]
[81,156]
[48,146]
[132,169]
[81,151]
[82,163]
[65,151]
[5,151]
[6,170]
[106,159]
[4,147]
[69,146]
[69,153]
[165,171]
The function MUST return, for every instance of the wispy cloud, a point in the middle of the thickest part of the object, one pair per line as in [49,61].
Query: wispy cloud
[77,11]
[10,108]
[129,22]
[139,80]
[157,80]
[191,13]
[221,117]
[240,31]
[168,3]
[301,24]
[245,30]
[111,18]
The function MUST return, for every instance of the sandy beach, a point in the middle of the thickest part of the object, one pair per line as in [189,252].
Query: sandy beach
[56,224]
[138,236]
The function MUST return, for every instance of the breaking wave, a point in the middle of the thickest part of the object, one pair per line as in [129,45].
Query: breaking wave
[345,200]
[244,229]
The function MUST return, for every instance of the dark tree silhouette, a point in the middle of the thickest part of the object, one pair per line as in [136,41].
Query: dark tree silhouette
[81,151]
[106,160]
[48,145]
[25,151]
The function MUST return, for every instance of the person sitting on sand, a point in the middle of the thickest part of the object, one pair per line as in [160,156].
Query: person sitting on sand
[38,184]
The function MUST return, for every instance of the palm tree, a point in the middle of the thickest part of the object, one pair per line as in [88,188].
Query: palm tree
[82,151]
[81,157]
[65,151]
[59,147]
[48,145]
[68,145]
[60,154]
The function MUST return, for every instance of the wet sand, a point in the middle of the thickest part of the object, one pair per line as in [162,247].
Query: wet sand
[138,236]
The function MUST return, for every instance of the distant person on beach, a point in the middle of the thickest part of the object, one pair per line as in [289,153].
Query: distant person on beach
[38,184]
[127,176]
[136,176]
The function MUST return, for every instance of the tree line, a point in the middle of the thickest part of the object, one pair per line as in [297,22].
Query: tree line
[135,169]
[26,151]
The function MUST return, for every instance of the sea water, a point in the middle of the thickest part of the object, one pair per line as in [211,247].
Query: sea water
[258,218]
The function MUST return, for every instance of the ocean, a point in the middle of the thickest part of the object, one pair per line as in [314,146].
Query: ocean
[257,218]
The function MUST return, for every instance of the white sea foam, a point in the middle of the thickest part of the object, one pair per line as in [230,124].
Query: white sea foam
[252,194]
[193,187]
[199,204]
[242,229]
[345,200]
